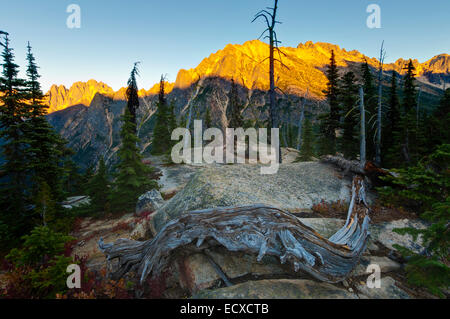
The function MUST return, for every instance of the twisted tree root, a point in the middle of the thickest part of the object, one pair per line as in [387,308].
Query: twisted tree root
[259,230]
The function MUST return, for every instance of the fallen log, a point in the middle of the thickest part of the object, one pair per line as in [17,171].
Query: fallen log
[259,230]
[344,164]
[352,166]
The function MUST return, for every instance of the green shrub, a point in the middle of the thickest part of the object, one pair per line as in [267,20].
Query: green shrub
[425,188]
[39,266]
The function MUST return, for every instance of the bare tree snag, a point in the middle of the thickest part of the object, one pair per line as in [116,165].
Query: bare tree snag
[271,21]
[379,111]
[362,134]
[259,230]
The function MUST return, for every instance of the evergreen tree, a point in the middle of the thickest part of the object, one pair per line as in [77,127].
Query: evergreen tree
[98,189]
[132,93]
[408,121]
[370,102]
[72,180]
[430,199]
[392,129]
[330,120]
[88,175]
[132,177]
[306,150]
[45,204]
[44,151]
[349,97]
[14,218]
[234,108]
[161,132]
[439,123]
[172,120]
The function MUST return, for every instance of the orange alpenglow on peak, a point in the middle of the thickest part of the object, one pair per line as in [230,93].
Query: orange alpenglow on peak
[59,97]
[248,65]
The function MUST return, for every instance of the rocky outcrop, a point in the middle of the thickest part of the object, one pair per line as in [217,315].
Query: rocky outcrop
[196,271]
[296,186]
[388,290]
[386,265]
[149,202]
[278,289]
[384,234]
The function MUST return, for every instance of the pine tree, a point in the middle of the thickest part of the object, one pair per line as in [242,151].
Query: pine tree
[44,151]
[14,218]
[370,101]
[306,150]
[442,115]
[172,120]
[408,121]
[45,204]
[98,189]
[349,97]
[132,177]
[330,120]
[72,180]
[132,93]
[234,108]
[392,129]
[161,132]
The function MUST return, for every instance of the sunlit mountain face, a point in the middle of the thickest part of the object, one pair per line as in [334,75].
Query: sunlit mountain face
[88,114]
[247,64]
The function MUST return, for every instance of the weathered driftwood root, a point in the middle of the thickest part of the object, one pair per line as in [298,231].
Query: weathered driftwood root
[258,230]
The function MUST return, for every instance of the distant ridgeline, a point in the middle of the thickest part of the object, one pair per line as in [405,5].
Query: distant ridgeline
[88,114]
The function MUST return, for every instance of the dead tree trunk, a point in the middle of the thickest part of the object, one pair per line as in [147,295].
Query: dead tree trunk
[379,115]
[362,135]
[271,21]
[300,123]
[259,230]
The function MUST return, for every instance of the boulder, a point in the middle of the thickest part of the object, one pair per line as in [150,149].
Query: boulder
[141,231]
[289,155]
[386,265]
[295,186]
[383,233]
[324,226]
[388,290]
[278,289]
[149,202]
[196,272]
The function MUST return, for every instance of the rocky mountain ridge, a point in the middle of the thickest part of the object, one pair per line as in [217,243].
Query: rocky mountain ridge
[92,125]
[248,65]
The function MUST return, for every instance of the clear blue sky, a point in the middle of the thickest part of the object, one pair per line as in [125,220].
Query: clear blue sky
[167,35]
